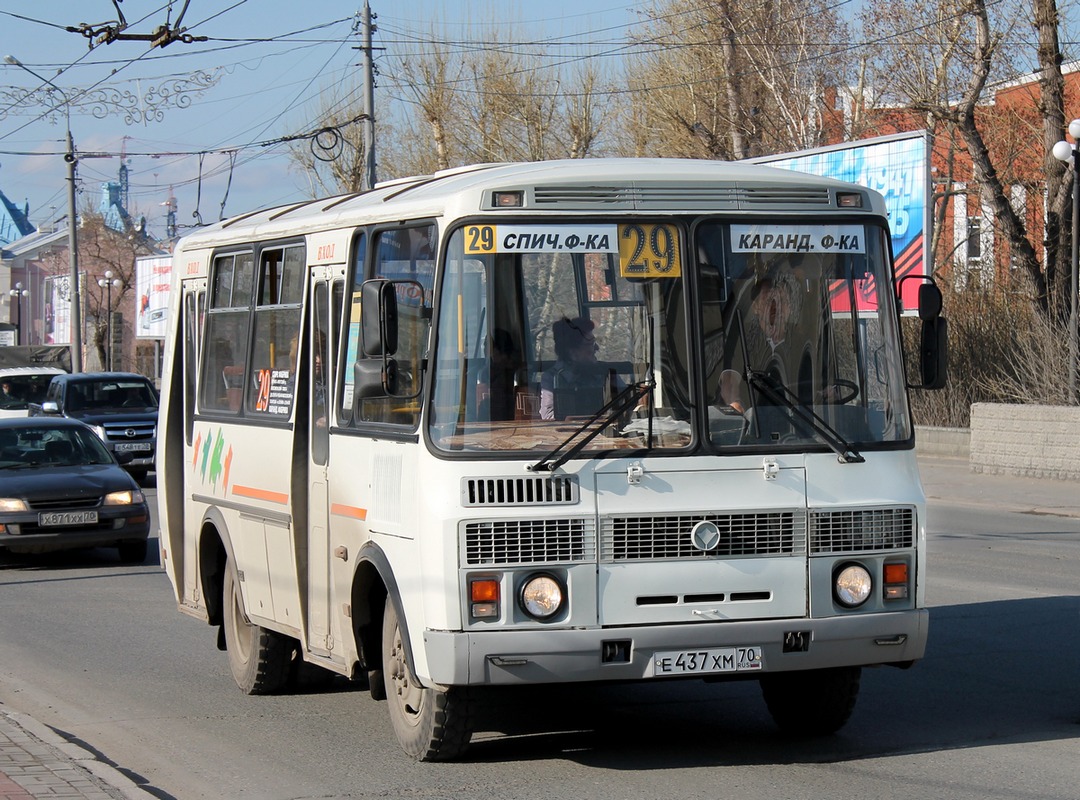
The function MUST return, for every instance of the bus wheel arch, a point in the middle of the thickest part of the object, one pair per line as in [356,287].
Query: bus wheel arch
[214,552]
[372,583]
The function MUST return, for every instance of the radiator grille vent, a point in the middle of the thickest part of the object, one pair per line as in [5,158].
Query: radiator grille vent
[788,195]
[860,530]
[523,491]
[762,533]
[543,541]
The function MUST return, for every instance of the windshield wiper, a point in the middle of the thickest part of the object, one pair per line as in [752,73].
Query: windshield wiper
[781,395]
[624,401]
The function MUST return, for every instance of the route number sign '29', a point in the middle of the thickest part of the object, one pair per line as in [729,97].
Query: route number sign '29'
[646,250]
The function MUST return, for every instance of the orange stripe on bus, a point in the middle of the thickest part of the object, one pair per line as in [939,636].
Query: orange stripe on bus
[342,510]
[261,494]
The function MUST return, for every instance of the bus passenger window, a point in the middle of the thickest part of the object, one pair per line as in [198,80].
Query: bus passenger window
[227,326]
[277,331]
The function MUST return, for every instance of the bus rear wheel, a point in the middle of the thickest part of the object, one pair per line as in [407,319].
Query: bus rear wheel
[811,703]
[260,660]
[430,724]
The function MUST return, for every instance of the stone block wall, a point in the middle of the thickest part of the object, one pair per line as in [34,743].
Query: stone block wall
[943,442]
[1030,440]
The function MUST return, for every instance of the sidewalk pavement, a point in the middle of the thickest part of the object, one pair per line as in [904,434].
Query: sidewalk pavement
[36,762]
[953,480]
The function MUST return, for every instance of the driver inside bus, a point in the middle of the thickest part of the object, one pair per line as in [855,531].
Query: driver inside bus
[576,384]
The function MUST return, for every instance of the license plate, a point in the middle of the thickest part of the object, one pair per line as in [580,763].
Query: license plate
[704,662]
[51,518]
[133,446]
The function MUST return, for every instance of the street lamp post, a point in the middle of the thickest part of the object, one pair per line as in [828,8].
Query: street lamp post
[1064,151]
[18,293]
[73,242]
[107,283]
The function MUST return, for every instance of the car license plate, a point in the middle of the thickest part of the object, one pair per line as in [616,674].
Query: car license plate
[52,518]
[138,446]
[704,662]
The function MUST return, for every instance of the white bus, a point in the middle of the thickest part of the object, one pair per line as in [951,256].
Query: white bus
[593,420]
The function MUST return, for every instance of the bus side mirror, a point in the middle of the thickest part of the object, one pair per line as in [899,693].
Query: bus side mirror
[934,352]
[379,318]
[375,377]
[934,335]
[929,301]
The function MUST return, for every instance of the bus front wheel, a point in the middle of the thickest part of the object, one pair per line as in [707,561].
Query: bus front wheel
[260,660]
[811,703]
[430,724]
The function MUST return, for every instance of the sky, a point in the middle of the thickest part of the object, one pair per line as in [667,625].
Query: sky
[176,112]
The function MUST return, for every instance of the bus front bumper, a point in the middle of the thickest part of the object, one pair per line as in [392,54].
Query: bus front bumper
[508,657]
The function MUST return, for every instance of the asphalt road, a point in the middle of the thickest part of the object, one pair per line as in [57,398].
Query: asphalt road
[97,650]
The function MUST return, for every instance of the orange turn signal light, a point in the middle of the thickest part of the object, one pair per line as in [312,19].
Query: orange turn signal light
[484,590]
[896,573]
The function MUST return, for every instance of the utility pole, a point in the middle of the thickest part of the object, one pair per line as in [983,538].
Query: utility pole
[368,180]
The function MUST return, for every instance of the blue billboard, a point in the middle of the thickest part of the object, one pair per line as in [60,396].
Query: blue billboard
[899,168]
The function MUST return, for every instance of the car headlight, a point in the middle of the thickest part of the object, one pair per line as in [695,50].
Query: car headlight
[13,504]
[128,497]
[542,596]
[99,430]
[853,585]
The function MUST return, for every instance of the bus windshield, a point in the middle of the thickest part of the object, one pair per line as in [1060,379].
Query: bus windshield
[755,335]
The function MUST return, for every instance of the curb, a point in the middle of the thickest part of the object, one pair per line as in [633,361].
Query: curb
[80,756]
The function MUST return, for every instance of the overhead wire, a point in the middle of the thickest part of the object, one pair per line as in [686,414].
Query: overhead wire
[389,33]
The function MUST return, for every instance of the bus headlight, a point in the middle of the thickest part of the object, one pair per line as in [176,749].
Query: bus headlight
[852,585]
[542,596]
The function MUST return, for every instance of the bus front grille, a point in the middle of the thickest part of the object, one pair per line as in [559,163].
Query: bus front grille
[524,541]
[861,530]
[755,533]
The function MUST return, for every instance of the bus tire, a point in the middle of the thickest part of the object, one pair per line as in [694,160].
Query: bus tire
[811,703]
[260,660]
[430,724]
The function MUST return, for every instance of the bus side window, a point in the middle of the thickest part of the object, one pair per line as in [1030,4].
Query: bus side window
[404,254]
[227,325]
[277,330]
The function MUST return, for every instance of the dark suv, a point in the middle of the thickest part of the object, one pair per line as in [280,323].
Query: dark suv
[121,407]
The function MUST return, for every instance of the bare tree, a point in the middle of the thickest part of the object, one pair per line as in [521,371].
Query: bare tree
[946,71]
[103,249]
[731,80]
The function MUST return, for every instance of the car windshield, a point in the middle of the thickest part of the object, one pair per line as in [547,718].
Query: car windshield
[109,394]
[67,447]
[16,391]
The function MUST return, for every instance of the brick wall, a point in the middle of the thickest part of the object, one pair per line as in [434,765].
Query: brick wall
[1030,440]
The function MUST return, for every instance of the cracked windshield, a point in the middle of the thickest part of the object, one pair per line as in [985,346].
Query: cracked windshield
[617,336]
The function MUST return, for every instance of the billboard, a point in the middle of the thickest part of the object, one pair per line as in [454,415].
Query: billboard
[899,168]
[153,275]
[58,315]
